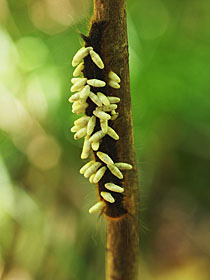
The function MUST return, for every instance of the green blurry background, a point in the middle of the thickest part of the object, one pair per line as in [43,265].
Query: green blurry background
[45,229]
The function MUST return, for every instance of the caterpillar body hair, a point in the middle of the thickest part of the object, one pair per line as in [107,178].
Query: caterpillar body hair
[95,86]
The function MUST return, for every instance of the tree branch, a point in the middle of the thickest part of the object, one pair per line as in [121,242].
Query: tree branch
[122,234]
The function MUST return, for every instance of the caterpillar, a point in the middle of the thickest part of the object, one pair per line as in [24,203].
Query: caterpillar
[92,87]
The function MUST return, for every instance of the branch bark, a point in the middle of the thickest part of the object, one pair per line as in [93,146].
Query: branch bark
[122,235]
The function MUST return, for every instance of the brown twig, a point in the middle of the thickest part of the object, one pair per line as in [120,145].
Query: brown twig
[122,234]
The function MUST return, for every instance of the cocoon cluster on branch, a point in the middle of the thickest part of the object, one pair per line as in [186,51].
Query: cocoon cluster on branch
[85,92]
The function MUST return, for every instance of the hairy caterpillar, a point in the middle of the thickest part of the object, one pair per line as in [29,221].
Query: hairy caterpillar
[93,96]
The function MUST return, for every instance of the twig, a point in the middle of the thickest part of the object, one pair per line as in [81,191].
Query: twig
[122,234]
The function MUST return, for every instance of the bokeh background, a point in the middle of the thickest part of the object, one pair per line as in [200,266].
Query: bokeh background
[45,229]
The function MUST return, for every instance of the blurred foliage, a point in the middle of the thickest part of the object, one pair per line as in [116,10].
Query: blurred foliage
[45,229]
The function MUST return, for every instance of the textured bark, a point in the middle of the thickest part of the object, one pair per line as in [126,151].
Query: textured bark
[122,234]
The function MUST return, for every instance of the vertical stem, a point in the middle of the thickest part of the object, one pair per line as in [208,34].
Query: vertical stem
[122,235]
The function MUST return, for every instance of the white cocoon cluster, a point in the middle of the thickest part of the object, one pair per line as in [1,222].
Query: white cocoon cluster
[85,126]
